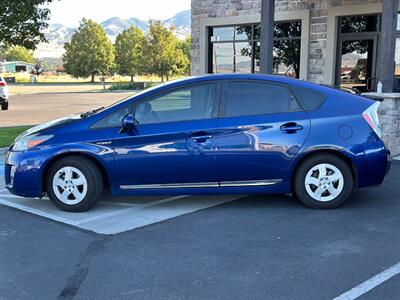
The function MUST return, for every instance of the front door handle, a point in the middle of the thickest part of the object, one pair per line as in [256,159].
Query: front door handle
[201,138]
[291,127]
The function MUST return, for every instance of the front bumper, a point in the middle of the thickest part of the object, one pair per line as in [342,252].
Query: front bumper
[23,173]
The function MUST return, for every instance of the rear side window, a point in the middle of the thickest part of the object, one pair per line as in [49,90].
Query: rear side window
[256,98]
[308,98]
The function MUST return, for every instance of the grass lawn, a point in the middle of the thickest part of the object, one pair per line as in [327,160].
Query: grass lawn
[40,88]
[8,134]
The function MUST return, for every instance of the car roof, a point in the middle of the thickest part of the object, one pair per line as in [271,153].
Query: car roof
[264,77]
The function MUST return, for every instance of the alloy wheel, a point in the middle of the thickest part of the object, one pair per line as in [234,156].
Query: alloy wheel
[324,182]
[70,185]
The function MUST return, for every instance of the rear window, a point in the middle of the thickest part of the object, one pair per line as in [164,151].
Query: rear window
[255,98]
[308,98]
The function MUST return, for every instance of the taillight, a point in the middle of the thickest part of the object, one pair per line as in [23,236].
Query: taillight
[371,116]
[2,83]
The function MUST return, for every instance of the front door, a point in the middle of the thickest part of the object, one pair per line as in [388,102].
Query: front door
[171,147]
[357,48]
[260,131]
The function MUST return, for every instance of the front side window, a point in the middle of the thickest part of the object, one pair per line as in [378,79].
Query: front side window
[257,98]
[189,103]
[114,119]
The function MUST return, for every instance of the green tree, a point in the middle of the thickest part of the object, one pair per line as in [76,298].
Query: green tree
[22,22]
[18,53]
[185,47]
[129,52]
[90,52]
[162,55]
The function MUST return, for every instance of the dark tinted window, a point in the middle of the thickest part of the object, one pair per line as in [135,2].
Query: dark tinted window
[308,98]
[189,103]
[353,24]
[114,119]
[256,98]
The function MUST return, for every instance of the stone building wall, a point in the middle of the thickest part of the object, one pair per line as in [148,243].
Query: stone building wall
[389,117]
[318,32]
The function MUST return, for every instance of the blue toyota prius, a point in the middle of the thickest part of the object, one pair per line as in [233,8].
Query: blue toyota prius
[212,134]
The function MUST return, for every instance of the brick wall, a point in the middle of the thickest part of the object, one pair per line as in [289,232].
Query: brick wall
[318,32]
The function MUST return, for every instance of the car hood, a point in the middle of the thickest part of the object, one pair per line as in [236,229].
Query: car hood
[51,124]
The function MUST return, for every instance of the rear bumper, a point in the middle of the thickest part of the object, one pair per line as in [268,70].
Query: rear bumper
[373,166]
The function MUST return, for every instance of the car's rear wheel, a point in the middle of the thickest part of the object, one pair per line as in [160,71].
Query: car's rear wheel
[74,184]
[323,181]
[4,106]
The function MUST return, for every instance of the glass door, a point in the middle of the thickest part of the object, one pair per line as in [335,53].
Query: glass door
[356,53]
[357,64]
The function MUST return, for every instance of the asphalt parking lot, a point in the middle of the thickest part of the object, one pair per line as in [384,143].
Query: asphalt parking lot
[251,247]
[35,109]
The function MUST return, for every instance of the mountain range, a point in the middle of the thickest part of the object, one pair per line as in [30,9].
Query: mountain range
[58,34]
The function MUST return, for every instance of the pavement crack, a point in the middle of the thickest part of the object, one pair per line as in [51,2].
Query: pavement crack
[75,281]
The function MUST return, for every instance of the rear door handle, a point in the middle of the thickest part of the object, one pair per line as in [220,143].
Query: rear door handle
[201,138]
[291,127]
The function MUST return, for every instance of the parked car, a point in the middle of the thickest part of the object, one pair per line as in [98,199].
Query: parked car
[213,134]
[3,94]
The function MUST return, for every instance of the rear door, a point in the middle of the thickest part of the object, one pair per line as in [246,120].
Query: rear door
[260,130]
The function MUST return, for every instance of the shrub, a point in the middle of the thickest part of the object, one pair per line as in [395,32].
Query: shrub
[131,85]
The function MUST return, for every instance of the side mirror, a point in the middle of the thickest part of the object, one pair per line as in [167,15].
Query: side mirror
[128,123]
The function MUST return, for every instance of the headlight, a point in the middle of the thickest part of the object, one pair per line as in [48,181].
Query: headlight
[28,141]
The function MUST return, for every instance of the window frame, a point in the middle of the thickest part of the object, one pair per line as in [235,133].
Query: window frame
[216,105]
[397,39]
[252,41]
[224,100]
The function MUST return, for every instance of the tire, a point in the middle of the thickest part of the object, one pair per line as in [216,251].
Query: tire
[4,106]
[74,184]
[323,189]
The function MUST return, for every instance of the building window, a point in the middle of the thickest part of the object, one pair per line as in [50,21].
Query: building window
[397,58]
[356,24]
[236,49]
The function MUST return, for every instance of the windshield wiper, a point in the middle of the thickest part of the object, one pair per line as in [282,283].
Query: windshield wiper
[91,112]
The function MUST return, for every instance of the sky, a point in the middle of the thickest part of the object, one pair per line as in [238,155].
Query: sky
[70,12]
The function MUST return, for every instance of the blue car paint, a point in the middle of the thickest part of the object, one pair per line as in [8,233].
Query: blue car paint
[240,148]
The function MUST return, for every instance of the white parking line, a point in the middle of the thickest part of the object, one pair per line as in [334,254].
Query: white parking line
[11,196]
[369,284]
[37,212]
[121,211]
[3,190]
[111,217]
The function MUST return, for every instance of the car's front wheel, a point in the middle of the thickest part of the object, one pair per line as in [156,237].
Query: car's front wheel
[323,181]
[74,184]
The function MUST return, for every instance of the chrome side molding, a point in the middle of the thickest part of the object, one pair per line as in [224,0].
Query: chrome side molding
[170,186]
[248,183]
